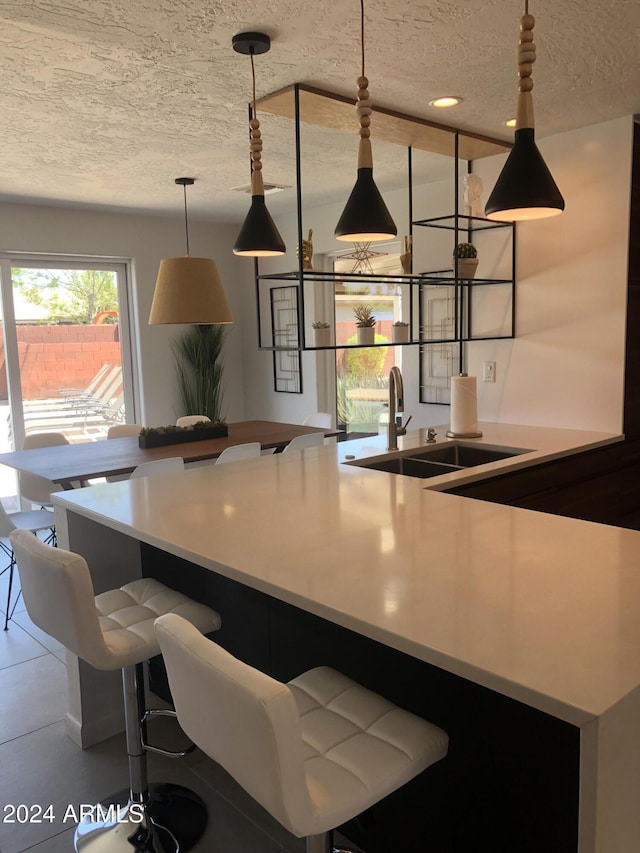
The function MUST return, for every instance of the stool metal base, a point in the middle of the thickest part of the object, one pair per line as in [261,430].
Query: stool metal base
[172,821]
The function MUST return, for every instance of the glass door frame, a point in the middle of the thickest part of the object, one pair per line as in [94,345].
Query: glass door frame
[122,268]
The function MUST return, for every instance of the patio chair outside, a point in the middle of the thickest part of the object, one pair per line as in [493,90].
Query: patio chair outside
[80,414]
[69,395]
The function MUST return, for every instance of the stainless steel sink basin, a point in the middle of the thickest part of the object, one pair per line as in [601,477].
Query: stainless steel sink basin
[411,467]
[442,459]
[467,455]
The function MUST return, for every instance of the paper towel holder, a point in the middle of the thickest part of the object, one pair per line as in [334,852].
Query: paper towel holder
[450,434]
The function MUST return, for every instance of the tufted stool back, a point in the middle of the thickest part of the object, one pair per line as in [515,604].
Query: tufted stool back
[58,593]
[315,752]
[242,718]
[112,630]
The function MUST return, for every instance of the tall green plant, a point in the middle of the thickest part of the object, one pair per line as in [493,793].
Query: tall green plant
[198,353]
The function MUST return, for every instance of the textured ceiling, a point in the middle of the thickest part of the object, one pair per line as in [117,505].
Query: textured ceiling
[105,102]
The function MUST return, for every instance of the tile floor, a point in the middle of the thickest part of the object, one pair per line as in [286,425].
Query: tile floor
[40,765]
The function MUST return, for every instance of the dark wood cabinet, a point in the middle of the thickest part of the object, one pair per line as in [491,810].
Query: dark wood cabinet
[599,485]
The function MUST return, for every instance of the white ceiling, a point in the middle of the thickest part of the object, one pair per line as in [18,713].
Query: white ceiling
[105,102]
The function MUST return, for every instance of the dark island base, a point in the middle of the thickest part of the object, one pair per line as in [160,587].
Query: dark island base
[510,781]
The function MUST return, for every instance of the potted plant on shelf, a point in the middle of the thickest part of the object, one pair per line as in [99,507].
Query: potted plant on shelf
[465,260]
[321,334]
[400,332]
[365,323]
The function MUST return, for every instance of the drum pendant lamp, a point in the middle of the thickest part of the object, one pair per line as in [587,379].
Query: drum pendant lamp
[258,237]
[525,188]
[189,290]
[365,218]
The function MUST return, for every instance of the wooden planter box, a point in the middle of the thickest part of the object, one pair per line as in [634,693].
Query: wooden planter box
[164,439]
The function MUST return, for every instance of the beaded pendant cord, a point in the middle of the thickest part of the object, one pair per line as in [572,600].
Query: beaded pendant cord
[255,140]
[525,188]
[365,217]
[259,236]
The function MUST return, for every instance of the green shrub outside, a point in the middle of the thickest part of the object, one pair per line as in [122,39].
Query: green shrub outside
[367,361]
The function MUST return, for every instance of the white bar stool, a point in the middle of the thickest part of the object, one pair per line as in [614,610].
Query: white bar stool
[315,752]
[114,630]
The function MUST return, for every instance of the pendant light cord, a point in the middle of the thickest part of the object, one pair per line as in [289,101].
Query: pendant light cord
[253,78]
[255,138]
[362,34]
[186,218]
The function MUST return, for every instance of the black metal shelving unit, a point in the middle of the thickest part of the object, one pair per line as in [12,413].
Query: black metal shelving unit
[463,228]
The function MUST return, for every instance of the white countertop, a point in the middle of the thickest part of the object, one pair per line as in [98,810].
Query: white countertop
[541,608]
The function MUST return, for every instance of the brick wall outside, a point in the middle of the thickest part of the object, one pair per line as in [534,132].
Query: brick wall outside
[57,357]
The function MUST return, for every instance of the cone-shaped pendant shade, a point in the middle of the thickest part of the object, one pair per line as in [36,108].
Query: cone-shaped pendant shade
[189,290]
[365,217]
[525,188]
[259,237]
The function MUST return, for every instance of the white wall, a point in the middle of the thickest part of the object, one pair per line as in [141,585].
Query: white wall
[145,240]
[566,366]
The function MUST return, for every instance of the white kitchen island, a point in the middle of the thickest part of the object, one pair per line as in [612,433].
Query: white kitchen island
[537,608]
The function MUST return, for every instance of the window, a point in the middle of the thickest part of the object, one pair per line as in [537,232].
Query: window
[65,348]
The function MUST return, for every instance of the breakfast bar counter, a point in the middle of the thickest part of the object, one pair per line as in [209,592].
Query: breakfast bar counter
[541,610]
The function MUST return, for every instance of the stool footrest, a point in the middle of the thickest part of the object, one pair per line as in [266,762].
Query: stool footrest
[168,753]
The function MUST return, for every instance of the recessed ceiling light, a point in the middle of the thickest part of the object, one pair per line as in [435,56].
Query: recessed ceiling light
[510,122]
[445,101]
[268,188]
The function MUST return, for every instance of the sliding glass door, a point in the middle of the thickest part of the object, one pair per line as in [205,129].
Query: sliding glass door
[65,351]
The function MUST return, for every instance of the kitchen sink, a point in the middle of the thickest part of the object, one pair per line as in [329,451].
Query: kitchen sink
[442,459]
[467,455]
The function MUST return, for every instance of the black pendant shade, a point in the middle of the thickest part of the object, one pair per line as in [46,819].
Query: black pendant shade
[365,217]
[259,237]
[525,188]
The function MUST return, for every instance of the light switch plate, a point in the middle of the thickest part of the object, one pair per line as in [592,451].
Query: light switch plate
[489,371]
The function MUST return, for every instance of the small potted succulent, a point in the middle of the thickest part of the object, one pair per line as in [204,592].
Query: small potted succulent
[365,323]
[400,332]
[321,334]
[465,260]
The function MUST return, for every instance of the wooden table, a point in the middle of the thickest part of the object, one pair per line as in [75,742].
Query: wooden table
[68,463]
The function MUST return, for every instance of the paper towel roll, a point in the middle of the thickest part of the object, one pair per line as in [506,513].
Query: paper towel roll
[464,407]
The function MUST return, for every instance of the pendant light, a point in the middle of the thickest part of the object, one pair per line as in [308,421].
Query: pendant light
[365,218]
[189,290]
[525,188]
[258,237]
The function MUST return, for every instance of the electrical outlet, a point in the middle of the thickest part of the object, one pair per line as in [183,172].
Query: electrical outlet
[489,371]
